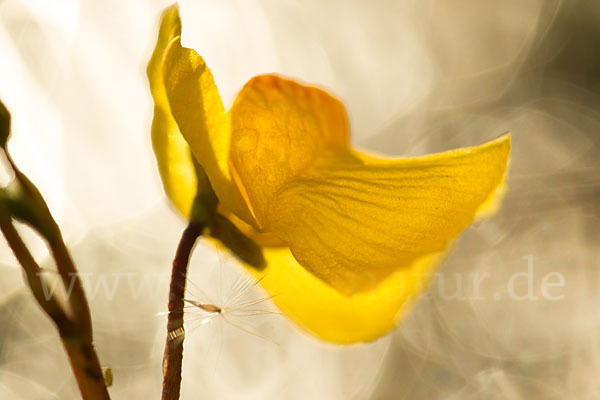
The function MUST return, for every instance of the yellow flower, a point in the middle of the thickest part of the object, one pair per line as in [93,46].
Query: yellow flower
[349,239]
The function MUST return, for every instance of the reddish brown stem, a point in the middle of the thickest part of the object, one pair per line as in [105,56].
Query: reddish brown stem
[21,200]
[173,355]
[75,329]
[77,338]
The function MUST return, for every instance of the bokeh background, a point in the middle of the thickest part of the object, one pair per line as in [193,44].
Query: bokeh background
[416,77]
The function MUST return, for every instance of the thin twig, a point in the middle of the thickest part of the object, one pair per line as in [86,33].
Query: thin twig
[32,270]
[75,329]
[173,355]
[79,340]
[21,200]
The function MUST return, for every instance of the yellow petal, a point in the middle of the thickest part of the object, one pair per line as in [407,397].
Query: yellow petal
[170,148]
[331,316]
[349,218]
[364,218]
[278,128]
[200,115]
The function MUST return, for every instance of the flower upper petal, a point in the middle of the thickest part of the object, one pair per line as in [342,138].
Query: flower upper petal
[349,218]
[172,153]
[197,107]
[278,127]
[353,220]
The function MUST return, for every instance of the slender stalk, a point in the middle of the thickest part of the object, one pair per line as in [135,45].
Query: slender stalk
[173,355]
[70,277]
[78,339]
[86,367]
[21,200]
[32,270]
[72,319]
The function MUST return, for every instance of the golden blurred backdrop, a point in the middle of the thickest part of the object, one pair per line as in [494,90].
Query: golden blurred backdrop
[416,77]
